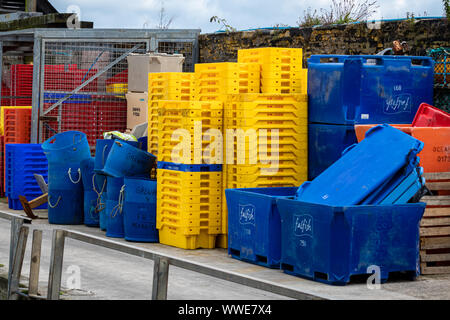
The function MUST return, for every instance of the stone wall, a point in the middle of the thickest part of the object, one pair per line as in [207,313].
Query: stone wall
[343,39]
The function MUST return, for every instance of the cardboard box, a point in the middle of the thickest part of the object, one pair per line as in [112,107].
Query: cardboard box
[140,65]
[137,109]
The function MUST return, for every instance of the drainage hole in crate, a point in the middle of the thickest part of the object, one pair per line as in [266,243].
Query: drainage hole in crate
[287,267]
[235,252]
[261,259]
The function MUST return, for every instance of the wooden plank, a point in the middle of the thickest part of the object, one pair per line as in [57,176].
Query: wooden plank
[435,243]
[35,264]
[436,212]
[19,254]
[435,222]
[438,186]
[437,175]
[434,257]
[435,231]
[436,200]
[434,270]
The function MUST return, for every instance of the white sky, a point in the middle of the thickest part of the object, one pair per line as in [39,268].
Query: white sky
[240,14]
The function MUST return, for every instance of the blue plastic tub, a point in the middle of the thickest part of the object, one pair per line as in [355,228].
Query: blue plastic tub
[363,168]
[67,147]
[87,173]
[139,210]
[125,160]
[91,216]
[66,206]
[326,144]
[368,89]
[114,207]
[65,192]
[102,149]
[254,225]
[331,244]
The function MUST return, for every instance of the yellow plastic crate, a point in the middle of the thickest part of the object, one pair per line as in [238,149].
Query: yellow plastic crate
[263,184]
[218,90]
[120,88]
[284,75]
[268,114]
[176,196]
[191,192]
[175,76]
[286,67]
[271,55]
[167,154]
[262,170]
[282,90]
[248,123]
[183,106]
[168,130]
[190,179]
[229,84]
[266,98]
[209,211]
[171,91]
[227,70]
[210,97]
[180,237]
[214,226]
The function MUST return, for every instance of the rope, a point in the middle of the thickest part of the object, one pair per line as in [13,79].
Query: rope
[70,175]
[57,202]
[119,207]
[100,206]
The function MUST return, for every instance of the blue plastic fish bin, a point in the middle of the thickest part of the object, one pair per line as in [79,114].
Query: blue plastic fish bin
[67,147]
[114,207]
[407,189]
[139,210]
[102,150]
[125,160]
[331,244]
[254,225]
[326,144]
[66,207]
[87,173]
[91,216]
[368,89]
[66,193]
[363,168]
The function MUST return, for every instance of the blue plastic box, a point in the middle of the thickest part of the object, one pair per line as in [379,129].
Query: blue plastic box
[363,168]
[368,89]
[254,226]
[22,161]
[326,144]
[332,243]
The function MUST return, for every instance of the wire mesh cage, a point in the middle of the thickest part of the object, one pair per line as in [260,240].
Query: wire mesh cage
[95,98]
[442,99]
[441,57]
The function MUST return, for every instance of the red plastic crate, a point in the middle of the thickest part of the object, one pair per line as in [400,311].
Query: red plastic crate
[121,77]
[429,116]
[17,125]
[2,166]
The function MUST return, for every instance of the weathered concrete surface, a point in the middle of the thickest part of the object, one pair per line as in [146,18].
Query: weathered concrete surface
[107,274]
[342,39]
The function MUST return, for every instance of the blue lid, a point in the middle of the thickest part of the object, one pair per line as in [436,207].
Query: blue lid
[363,168]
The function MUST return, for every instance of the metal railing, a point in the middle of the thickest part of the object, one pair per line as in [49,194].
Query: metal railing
[160,269]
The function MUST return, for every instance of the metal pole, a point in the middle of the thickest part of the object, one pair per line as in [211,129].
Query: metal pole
[35,109]
[160,278]
[35,263]
[56,265]
[13,285]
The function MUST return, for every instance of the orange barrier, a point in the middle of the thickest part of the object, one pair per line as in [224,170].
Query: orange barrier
[435,156]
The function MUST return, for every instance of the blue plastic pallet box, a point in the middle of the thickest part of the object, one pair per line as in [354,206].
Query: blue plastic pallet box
[331,244]
[22,161]
[363,168]
[326,144]
[254,225]
[346,89]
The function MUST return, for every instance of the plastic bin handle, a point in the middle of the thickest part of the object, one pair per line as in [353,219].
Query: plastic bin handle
[376,128]
[348,149]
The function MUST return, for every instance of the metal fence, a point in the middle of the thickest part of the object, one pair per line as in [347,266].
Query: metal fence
[77,79]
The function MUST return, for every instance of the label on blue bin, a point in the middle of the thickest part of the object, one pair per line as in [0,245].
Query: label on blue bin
[247,214]
[398,104]
[303,225]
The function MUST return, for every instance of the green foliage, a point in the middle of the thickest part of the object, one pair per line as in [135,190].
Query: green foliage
[310,19]
[447,8]
[223,23]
